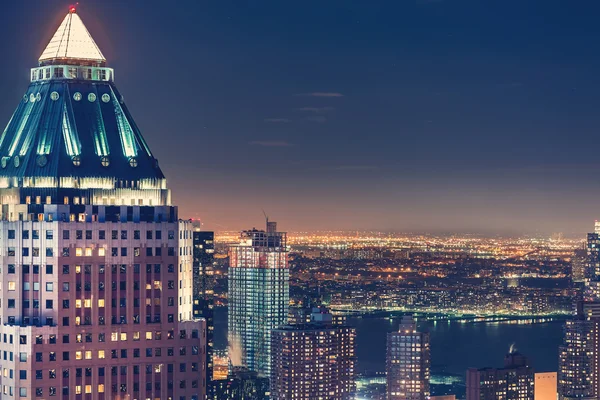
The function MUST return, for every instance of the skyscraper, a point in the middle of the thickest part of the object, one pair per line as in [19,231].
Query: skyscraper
[204,284]
[95,261]
[592,273]
[579,265]
[314,360]
[578,368]
[258,296]
[408,362]
[513,382]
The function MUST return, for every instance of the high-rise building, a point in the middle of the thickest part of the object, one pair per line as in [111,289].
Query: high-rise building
[95,261]
[204,284]
[314,360]
[545,386]
[258,296]
[513,382]
[578,364]
[579,265]
[592,273]
[408,362]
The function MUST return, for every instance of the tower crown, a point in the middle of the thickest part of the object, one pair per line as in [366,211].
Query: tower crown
[72,44]
[72,131]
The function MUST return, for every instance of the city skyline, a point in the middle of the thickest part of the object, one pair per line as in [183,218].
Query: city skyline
[362,120]
[111,291]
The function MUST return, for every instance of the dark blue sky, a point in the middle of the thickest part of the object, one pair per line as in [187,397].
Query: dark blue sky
[435,115]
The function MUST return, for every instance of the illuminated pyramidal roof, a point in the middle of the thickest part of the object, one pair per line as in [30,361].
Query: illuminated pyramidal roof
[72,41]
[72,126]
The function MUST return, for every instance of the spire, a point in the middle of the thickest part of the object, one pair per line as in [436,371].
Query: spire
[72,44]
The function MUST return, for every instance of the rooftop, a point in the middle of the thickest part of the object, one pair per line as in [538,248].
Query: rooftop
[72,42]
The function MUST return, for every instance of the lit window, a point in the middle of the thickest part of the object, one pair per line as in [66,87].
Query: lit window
[123,336]
[78,389]
[100,302]
[148,335]
[78,356]
[88,389]
[114,337]
[101,388]
[66,200]
[101,354]
[78,252]
[12,286]
[78,303]
[88,355]
[101,251]
[87,303]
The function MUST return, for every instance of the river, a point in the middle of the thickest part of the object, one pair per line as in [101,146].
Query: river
[455,346]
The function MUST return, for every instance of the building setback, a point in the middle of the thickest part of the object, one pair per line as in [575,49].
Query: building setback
[96,267]
[408,363]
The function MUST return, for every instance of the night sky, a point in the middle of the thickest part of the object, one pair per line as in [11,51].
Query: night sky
[400,115]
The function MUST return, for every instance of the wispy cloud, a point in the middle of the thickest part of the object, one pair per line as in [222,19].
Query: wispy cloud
[278,120]
[355,168]
[271,143]
[316,110]
[316,118]
[321,94]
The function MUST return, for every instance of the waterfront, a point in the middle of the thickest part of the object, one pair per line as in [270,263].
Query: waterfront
[455,346]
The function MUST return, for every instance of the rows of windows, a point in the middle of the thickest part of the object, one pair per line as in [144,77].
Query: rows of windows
[79,234]
[114,337]
[35,234]
[116,354]
[114,252]
[116,234]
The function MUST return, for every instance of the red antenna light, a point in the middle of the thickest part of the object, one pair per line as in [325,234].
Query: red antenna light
[72,9]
